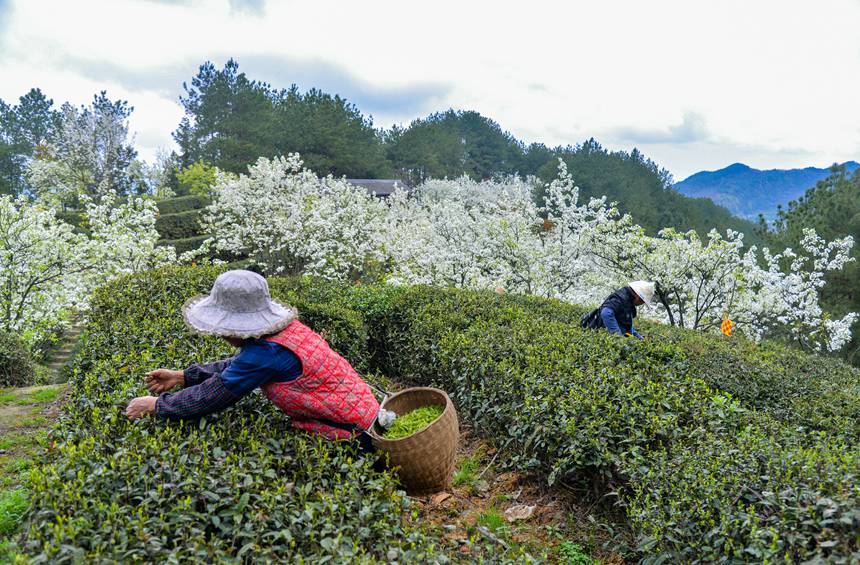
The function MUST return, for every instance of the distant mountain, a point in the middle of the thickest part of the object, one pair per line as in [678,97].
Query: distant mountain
[748,192]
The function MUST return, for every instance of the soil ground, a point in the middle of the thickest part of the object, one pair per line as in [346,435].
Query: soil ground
[25,416]
[555,524]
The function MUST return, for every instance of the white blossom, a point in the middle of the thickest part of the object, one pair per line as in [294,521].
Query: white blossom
[491,234]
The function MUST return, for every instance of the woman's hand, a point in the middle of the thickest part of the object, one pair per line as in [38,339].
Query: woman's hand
[162,380]
[140,407]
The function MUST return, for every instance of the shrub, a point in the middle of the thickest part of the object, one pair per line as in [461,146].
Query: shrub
[180,225]
[184,244]
[704,477]
[182,204]
[710,466]
[239,486]
[16,364]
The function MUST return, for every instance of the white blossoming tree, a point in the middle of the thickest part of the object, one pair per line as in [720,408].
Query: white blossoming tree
[122,235]
[47,270]
[288,220]
[489,234]
[42,268]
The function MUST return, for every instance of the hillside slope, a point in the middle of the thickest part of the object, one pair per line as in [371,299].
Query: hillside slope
[748,192]
[714,448]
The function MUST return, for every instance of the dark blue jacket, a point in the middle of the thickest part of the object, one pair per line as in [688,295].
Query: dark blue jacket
[618,308]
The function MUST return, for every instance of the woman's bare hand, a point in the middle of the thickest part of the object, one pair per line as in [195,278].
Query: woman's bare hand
[162,380]
[141,406]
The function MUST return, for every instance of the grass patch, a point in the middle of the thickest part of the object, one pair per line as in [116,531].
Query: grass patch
[32,395]
[36,421]
[571,553]
[13,505]
[11,440]
[467,474]
[494,521]
[48,394]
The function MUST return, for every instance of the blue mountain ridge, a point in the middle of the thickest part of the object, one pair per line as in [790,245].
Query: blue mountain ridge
[748,192]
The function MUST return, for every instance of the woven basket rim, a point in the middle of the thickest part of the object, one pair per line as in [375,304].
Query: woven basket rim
[448,406]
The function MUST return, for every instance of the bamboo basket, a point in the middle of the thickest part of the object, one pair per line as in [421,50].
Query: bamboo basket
[424,460]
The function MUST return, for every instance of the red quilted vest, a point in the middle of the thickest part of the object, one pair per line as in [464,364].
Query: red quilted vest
[328,387]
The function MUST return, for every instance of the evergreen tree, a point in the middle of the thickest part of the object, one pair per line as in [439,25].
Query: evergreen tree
[832,208]
[230,120]
[453,143]
[332,135]
[24,130]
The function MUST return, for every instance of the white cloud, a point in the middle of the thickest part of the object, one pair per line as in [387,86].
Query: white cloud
[692,83]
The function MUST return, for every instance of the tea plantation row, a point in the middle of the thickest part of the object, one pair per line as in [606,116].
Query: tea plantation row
[719,449]
[240,486]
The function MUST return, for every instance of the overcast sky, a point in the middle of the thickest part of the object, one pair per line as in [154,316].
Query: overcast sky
[694,84]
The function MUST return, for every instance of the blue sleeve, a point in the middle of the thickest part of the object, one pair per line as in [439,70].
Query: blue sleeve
[609,321]
[195,401]
[197,373]
[634,332]
[258,363]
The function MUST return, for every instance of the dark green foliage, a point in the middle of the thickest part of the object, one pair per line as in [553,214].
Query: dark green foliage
[451,144]
[24,128]
[182,204]
[16,364]
[832,208]
[331,135]
[231,121]
[179,225]
[185,244]
[703,476]
[239,486]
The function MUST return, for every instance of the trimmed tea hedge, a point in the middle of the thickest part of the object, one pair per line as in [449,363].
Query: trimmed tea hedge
[182,204]
[704,477]
[180,225]
[16,364]
[184,244]
[239,486]
[719,450]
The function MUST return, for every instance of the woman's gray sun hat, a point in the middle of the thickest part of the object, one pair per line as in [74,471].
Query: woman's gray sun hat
[239,305]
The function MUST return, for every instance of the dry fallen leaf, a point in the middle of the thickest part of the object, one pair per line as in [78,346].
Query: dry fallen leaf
[519,512]
[441,497]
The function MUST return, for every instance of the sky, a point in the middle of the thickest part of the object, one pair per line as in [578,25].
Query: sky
[695,85]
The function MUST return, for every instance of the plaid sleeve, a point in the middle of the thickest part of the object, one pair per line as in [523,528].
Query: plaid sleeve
[196,401]
[196,373]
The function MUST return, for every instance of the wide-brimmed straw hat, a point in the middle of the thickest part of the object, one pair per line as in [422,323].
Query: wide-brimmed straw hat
[239,305]
[645,290]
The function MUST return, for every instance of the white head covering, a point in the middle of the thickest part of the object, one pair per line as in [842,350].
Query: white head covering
[645,290]
[238,306]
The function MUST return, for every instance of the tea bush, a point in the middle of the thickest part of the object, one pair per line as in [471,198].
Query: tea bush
[179,225]
[16,364]
[719,450]
[182,204]
[704,476]
[184,244]
[240,486]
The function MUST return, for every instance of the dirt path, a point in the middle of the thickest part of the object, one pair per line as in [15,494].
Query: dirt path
[25,416]
[516,511]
